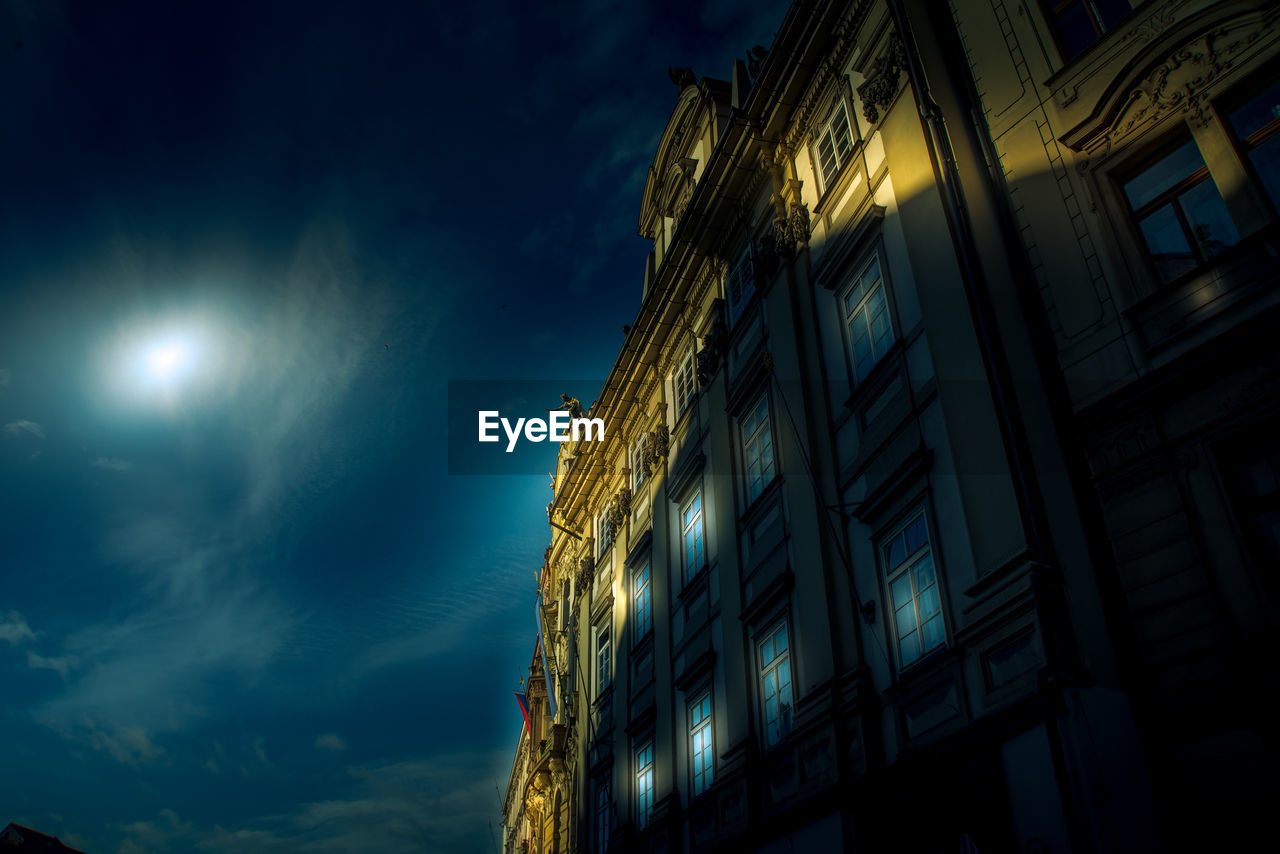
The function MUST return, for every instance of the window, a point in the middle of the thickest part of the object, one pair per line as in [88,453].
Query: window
[644,784]
[604,534]
[701,757]
[866,319]
[642,598]
[686,379]
[757,448]
[1256,127]
[604,659]
[775,684]
[740,286]
[638,473]
[913,591]
[604,799]
[835,144]
[1180,212]
[692,535]
[1080,23]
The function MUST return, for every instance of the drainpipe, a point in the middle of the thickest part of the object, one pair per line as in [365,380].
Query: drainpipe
[1013,431]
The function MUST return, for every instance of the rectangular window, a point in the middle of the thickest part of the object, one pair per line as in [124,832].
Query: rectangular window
[740,286]
[913,592]
[757,448]
[604,660]
[644,784]
[603,805]
[692,534]
[775,684]
[642,598]
[1256,127]
[638,472]
[866,319]
[1080,23]
[686,379]
[604,534]
[701,756]
[1182,217]
[835,144]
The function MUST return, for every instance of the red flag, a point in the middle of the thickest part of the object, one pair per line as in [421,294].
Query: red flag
[524,709]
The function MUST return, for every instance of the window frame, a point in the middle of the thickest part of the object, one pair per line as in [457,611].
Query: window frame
[766,668]
[875,256]
[839,108]
[693,565]
[602,819]
[1053,11]
[642,628]
[905,568]
[639,477]
[644,767]
[737,308]
[702,759]
[604,537]
[745,441]
[603,670]
[683,402]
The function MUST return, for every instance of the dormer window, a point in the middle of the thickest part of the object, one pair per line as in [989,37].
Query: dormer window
[835,145]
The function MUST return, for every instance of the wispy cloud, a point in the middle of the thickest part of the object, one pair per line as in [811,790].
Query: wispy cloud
[111,464]
[331,741]
[14,629]
[17,428]
[61,664]
[5,377]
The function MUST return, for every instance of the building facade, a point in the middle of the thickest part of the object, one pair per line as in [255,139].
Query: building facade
[939,507]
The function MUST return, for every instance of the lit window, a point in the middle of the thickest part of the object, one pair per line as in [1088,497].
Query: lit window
[866,319]
[604,660]
[642,598]
[913,592]
[638,473]
[686,378]
[1257,130]
[604,799]
[1180,212]
[740,286]
[757,448]
[604,534]
[701,757]
[692,534]
[644,784]
[775,684]
[835,144]
[1080,23]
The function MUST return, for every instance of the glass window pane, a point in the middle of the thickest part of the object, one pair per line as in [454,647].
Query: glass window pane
[924,572]
[780,639]
[909,648]
[1256,114]
[1266,162]
[1167,243]
[894,553]
[1076,30]
[906,619]
[1207,214]
[932,633]
[1110,12]
[1163,174]
[900,590]
[928,602]
[851,300]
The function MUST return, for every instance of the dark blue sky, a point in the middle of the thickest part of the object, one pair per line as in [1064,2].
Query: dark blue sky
[243,607]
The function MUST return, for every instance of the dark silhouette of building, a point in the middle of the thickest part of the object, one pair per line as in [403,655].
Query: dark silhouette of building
[16,838]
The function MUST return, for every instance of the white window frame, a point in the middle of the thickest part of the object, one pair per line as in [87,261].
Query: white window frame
[829,135]
[638,475]
[686,382]
[915,574]
[604,656]
[642,601]
[757,443]
[864,304]
[741,279]
[644,778]
[603,537]
[701,744]
[777,682]
[693,534]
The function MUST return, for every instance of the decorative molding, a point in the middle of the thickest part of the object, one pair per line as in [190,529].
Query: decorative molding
[883,81]
[711,353]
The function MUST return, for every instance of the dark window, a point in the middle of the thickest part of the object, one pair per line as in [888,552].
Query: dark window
[1080,23]
[1256,126]
[1178,208]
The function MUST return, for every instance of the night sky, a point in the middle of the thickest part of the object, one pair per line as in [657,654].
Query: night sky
[243,249]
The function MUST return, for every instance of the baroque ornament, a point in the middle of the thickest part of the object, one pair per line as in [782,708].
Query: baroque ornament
[655,448]
[882,83]
[709,355]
